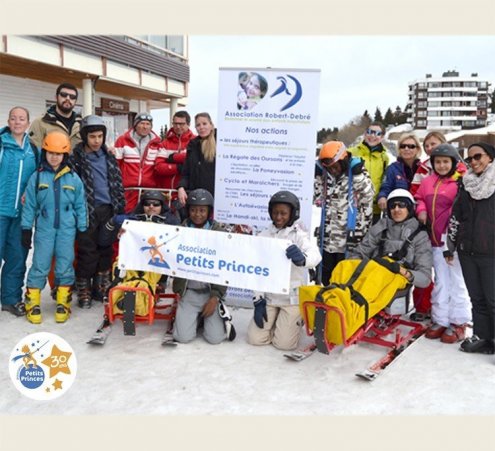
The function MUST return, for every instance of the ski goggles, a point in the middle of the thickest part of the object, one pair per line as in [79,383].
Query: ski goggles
[369,131]
[475,157]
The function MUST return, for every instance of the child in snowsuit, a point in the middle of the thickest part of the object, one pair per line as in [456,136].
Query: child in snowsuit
[450,304]
[18,160]
[55,201]
[277,320]
[200,299]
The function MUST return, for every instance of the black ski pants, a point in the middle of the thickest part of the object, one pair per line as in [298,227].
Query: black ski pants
[479,275]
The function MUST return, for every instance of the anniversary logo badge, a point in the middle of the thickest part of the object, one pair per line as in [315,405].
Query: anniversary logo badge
[42,366]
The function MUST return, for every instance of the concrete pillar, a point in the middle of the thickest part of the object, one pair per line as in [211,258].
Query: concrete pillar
[173,108]
[88,98]
[143,106]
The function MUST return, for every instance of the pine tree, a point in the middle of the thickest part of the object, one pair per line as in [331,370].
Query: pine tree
[389,118]
[378,115]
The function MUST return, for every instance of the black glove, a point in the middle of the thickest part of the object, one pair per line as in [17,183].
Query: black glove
[391,266]
[26,238]
[260,315]
[295,254]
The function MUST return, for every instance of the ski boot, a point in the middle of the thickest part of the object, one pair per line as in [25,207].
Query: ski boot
[33,309]
[101,284]
[64,296]
[478,345]
[83,292]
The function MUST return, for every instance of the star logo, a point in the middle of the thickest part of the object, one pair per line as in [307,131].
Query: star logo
[57,384]
[58,361]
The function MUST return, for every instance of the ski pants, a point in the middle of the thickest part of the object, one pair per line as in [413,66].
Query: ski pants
[282,329]
[13,256]
[329,262]
[479,274]
[92,258]
[49,243]
[449,298]
[188,313]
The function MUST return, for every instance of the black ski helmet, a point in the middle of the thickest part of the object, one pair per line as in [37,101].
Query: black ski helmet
[446,150]
[153,195]
[286,197]
[90,124]
[200,196]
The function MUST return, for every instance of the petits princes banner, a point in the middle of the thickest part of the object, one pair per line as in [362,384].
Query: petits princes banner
[230,259]
[266,141]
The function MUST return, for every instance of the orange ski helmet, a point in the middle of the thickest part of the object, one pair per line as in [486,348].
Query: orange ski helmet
[57,142]
[332,151]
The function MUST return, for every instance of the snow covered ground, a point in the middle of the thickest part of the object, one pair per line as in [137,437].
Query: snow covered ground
[136,375]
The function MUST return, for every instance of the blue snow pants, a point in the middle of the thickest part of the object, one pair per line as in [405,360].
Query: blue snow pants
[13,256]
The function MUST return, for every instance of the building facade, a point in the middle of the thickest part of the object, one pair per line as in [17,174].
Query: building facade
[117,76]
[450,102]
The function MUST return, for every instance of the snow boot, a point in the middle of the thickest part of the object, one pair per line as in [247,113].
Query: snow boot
[83,292]
[64,296]
[478,345]
[33,309]
[454,333]
[101,284]
[435,331]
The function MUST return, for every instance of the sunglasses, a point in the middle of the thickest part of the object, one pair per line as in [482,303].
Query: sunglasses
[476,157]
[152,203]
[408,146]
[399,203]
[369,131]
[66,94]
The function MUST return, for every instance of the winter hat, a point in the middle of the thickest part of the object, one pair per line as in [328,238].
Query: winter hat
[488,148]
[142,117]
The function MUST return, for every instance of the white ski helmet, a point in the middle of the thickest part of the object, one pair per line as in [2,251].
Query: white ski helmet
[403,195]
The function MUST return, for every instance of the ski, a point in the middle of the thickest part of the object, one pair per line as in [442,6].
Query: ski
[376,369]
[102,333]
[168,339]
[301,354]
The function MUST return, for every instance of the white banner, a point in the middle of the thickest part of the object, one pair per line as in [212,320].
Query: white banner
[267,124]
[230,259]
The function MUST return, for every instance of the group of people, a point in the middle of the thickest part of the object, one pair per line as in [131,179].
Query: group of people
[60,178]
[442,208]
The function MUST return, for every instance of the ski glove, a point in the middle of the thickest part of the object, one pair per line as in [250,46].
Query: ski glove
[26,238]
[295,254]
[391,266]
[260,315]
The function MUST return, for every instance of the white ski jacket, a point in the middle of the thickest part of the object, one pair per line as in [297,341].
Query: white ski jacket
[298,235]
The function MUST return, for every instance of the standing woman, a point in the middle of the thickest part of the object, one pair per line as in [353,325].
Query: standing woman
[399,174]
[472,234]
[18,160]
[199,168]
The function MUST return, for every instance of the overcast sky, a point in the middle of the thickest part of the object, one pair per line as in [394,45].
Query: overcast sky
[357,72]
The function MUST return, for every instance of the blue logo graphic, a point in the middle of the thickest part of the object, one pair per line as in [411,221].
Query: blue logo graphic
[283,89]
[31,377]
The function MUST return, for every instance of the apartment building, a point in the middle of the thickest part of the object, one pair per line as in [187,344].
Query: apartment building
[450,102]
[117,76]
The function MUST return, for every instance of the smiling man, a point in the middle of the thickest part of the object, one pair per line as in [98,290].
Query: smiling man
[59,117]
